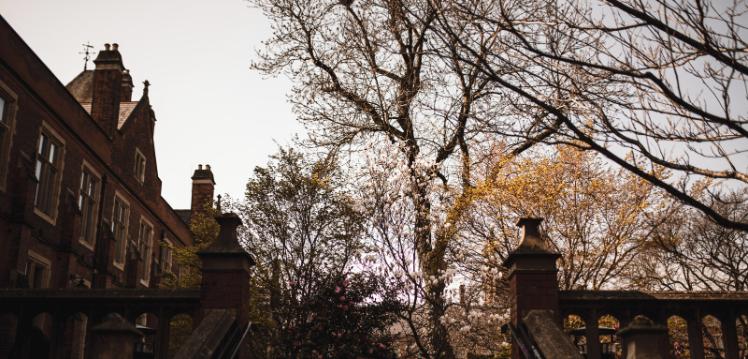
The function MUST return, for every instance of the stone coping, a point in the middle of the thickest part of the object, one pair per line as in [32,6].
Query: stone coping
[623,295]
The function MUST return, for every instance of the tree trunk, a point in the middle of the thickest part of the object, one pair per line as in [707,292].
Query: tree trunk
[432,266]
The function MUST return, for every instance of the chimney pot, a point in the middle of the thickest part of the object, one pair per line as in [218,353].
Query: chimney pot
[207,167]
[199,167]
[115,46]
[107,47]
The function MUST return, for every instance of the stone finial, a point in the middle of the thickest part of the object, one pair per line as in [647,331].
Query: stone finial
[227,241]
[532,238]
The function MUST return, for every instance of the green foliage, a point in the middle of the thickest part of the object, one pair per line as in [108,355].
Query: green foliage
[305,232]
[204,230]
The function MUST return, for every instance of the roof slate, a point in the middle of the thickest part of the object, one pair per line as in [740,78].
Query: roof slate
[125,109]
[81,87]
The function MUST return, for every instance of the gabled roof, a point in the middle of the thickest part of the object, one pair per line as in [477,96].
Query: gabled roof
[125,109]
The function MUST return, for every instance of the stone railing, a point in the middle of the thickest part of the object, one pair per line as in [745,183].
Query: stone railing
[642,317]
[658,307]
[110,314]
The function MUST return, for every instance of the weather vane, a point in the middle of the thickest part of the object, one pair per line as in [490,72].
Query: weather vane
[86,54]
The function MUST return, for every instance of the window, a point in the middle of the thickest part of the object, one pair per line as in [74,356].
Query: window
[7,117]
[47,170]
[88,204]
[37,271]
[166,256]
[145,246]
[120,216]
[139,166]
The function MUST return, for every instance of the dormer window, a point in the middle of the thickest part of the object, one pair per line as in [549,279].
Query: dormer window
[139,166]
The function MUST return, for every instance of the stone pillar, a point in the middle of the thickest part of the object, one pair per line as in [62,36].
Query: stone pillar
[114,338]
[225,271]
[164,331]
[532,275]
[644,340]
[695,336]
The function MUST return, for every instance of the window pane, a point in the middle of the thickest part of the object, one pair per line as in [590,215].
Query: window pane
[52,153]
[2,109]
[42,144]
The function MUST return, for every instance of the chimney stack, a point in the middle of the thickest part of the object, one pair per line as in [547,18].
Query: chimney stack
[107,88]
[126,91]
[203,186]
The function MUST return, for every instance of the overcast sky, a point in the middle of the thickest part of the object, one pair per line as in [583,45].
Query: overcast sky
[210,106]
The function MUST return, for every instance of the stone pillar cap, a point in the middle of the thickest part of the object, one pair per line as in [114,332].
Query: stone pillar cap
[114,323]
[641,324]
[532,243]
[227,242]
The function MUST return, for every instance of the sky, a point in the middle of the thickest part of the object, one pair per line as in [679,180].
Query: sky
[211,108]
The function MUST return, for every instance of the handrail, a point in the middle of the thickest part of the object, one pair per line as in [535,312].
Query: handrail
[241,340]
[525,345]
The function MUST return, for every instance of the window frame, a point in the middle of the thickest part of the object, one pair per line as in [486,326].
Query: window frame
[169,251]
[86,167]
[140,176]
[32,256]
[126,225]
[148,255]
[8,117]
[46,130]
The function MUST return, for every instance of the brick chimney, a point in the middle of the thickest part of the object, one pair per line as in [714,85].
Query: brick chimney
[126,91]
[107,88]
[203,186]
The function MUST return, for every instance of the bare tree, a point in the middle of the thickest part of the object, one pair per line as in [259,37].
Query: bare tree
[372,74]
[691,252]
[646,83]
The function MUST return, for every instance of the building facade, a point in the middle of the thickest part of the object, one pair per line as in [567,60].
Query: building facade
[80,194]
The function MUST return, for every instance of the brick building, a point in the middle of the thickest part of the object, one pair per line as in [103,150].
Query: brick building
[80,195]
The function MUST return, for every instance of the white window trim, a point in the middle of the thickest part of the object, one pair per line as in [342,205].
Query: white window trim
[81,240]
[43,260]
[140,176]
[121,266]
[146,279]
[11,108]
[52,219]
